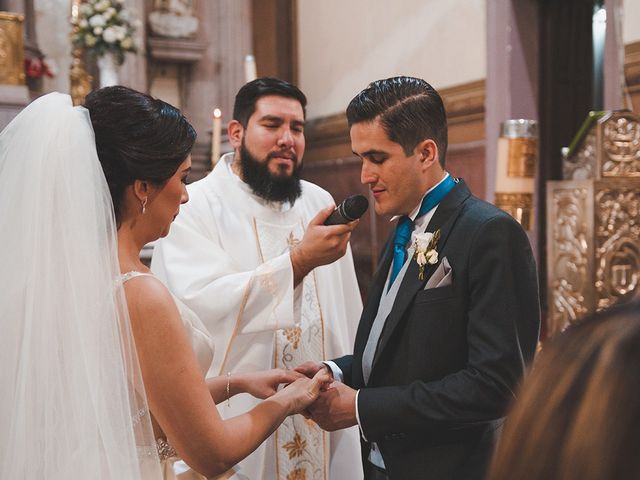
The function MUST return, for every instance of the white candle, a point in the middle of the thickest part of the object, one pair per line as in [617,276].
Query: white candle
[250,72]
[215,136]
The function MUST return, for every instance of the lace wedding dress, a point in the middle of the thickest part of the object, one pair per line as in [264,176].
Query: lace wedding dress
[202,344]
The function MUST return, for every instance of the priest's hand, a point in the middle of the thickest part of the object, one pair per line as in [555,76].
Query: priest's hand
[335,408]
[263,384]
[320,245]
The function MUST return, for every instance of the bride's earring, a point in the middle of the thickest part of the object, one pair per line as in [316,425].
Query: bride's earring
[144,205]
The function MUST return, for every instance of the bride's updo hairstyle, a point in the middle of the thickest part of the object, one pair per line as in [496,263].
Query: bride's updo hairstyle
[138,137]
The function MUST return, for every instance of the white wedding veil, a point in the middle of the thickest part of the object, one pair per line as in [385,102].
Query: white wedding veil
[72,402]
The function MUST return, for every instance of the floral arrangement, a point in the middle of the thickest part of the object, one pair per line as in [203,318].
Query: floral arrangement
[104,26]
[38,67]
[425,250]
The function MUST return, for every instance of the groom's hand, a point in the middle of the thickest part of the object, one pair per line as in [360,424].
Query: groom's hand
[311,368]
[335,408]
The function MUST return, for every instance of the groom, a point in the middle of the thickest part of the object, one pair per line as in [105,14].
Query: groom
[453,315]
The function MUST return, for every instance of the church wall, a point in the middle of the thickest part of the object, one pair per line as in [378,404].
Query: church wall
[362,40]
[630,21]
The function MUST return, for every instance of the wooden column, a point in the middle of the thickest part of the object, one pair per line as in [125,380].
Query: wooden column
[275,38]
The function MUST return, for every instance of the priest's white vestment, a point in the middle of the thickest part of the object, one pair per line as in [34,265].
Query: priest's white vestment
[227,258]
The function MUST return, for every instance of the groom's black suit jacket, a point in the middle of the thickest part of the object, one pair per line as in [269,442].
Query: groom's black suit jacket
[449,359]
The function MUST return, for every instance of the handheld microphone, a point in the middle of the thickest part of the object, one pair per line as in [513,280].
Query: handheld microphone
[349,210]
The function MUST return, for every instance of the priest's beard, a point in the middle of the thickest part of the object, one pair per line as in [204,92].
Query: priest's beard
[274,188]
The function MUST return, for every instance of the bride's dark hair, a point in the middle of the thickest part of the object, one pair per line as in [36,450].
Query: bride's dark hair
[138,137]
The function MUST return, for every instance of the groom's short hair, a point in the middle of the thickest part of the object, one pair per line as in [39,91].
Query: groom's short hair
[408,108]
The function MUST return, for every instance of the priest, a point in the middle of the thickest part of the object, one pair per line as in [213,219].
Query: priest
[250,255]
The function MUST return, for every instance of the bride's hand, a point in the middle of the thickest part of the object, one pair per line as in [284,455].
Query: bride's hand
[304,391]
[265,383]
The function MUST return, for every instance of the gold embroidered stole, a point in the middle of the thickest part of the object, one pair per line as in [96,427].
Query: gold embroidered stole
[301,446]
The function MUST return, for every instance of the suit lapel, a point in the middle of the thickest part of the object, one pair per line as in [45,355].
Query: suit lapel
[444,219]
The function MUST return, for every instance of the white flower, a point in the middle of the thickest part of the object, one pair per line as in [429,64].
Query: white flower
[86,10]
[127,43]
[422,240]
[83,23]
[97,21]
[425,250]
[89,40]
[110,11]
[102,5]
[109,35]
[124,15]
[121,32]
[97,31]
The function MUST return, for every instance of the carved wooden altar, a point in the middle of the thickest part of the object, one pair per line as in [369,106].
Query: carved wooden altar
[593,230]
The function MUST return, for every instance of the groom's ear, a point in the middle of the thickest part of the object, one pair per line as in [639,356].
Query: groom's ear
[428,153]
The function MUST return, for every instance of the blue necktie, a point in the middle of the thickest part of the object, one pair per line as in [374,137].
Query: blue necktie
[404,227]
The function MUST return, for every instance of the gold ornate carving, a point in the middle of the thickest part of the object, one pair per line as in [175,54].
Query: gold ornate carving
[11,49]
[518,205]
[79,78]
[617,245]
[582,165]
[521,161]
[568,262]
[621,147]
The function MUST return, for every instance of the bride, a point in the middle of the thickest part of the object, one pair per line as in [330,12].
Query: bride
[101,369]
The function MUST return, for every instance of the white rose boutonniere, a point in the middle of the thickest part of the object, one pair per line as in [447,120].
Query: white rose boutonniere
[425,250]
